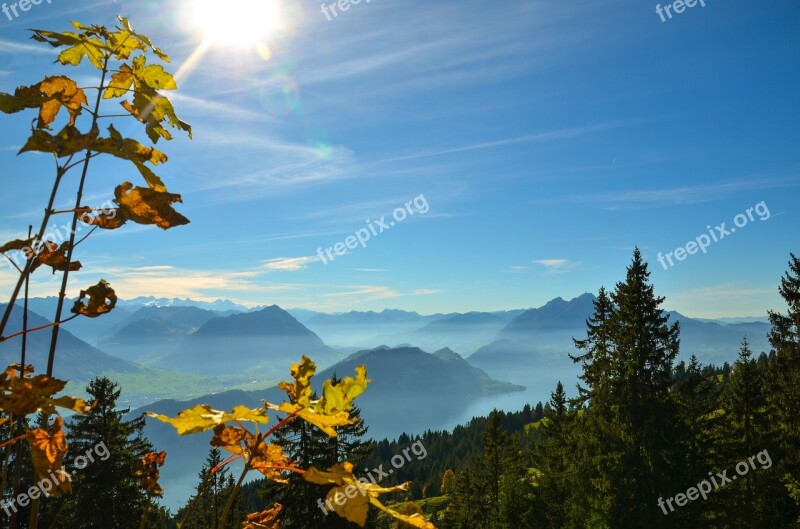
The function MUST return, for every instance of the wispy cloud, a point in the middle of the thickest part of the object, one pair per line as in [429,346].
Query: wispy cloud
[289,264]
[676,196]
[11,46]
[553,135]
[427,292]
[555,266]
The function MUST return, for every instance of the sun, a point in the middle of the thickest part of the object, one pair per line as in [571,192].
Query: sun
[240,23]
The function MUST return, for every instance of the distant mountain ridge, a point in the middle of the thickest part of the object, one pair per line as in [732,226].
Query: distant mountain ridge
[257,342]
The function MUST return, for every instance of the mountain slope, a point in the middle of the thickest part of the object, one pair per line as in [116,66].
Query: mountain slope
[254,342]
[75,359]
[151,332]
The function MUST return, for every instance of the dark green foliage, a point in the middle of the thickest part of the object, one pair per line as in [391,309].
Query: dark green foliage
[106,493]
[215,485]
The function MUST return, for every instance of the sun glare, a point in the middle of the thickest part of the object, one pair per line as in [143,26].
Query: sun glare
[238,23]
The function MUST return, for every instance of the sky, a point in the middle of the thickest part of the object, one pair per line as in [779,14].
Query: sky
[537,142]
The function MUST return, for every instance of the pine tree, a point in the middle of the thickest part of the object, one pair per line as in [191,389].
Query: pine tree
[628,367]
[697,394]
[106,493]
[783,391]
[213,490]
[552,455]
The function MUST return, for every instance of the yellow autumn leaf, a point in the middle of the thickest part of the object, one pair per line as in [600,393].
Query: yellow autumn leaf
[78,46]
[65,93]
[339,397]
[98,294]
[202,418]
[350,497]
[47,452]
[27,395]
[300,392]
[148,206]
[325,422]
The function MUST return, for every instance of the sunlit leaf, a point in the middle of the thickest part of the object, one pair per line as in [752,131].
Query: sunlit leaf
[98,294]
[300,392]
[148,206]
[78,47]
[126,25]
[64,93]
[333,409]
[202,418]
[49,96]
[350,497]
[339,397]
[154,110]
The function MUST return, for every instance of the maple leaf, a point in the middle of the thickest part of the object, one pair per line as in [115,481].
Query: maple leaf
[66,94]
[16,244]
[67,142]
[264,520]
[24,396]
[148,206]
[149,474]
[333,409]
[78,46]
[56,258]
[105,221]
[300,392]
[202,418]
[47,453]
[98,295]
[266,458]
[351,497]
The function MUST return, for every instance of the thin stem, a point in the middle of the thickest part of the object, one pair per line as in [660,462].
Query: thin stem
[43,327]
[14,440]
[71,249]
[10,260]
[85,237]
[281,424]
[45,221]
[224,518]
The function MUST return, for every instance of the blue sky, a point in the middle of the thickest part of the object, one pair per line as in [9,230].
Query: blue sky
[547,137]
